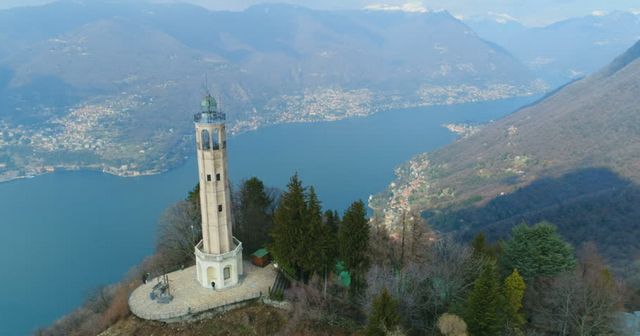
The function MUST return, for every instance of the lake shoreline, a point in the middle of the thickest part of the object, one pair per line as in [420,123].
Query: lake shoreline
[13,175]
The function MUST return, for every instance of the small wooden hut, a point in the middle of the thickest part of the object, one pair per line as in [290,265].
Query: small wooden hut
[261,257]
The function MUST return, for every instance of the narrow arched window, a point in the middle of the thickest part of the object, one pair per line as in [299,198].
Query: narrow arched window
[216,139]
[206,140]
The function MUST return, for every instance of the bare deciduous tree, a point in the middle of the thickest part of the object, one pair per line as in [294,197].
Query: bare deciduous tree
[178,234]
[99,299]
[581,302]
[309,304]
[430,288]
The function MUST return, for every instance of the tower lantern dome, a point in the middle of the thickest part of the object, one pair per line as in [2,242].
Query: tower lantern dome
[210,113]
[209,104]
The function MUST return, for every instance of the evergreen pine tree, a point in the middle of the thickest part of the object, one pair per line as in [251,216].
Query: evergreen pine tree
[317,254]
[485,304]
[324,238]
[514,287]
[332,220]
[482,248]
[384,316]
[537,251]
[288,233]
[193,197]
[253,215]
[328,256]
[353,243]
[479,245]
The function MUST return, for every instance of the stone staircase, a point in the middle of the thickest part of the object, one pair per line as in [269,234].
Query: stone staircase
[282,282]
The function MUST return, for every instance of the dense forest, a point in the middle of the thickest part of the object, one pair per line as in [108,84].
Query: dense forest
[588,204]
[409,282]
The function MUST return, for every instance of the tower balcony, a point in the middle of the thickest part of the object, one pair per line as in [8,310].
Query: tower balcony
[218,257]
[210,117]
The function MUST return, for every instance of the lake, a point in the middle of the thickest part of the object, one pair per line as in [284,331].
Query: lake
[66,233]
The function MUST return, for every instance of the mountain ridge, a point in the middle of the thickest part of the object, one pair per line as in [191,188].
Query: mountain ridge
[628,57]
[593,123]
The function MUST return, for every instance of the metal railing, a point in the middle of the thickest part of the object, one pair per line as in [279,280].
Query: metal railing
[218,257]
[210,118]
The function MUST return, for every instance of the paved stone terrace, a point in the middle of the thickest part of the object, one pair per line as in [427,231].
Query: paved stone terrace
[189,298]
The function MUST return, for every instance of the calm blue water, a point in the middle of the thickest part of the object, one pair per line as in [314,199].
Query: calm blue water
[68,232]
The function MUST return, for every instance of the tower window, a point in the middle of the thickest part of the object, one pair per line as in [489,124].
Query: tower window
[220,208]
[208,177]
[206,140]
[216,139]
[217,177]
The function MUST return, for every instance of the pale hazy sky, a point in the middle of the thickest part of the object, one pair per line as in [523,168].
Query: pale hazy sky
[530,12]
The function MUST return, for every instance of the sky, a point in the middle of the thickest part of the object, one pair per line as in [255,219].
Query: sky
[529,12]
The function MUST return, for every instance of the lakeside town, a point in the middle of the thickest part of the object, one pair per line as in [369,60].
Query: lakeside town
[90,134]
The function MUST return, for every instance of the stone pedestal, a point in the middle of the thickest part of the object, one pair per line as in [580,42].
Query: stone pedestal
[224,269]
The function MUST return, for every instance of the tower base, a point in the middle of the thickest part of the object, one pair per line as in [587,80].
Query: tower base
[219,271]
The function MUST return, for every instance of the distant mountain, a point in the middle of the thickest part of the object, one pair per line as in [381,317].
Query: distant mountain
[111,85]
[573,158]
[495,27]
[565,50]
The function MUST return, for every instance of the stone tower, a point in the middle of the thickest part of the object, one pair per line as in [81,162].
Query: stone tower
[219,254]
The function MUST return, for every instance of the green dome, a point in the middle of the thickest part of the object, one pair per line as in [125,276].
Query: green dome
[209,104]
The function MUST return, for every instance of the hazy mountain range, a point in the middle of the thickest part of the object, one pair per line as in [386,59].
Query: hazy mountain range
[534,13]
[572,159]
[111,86]
[565,50]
